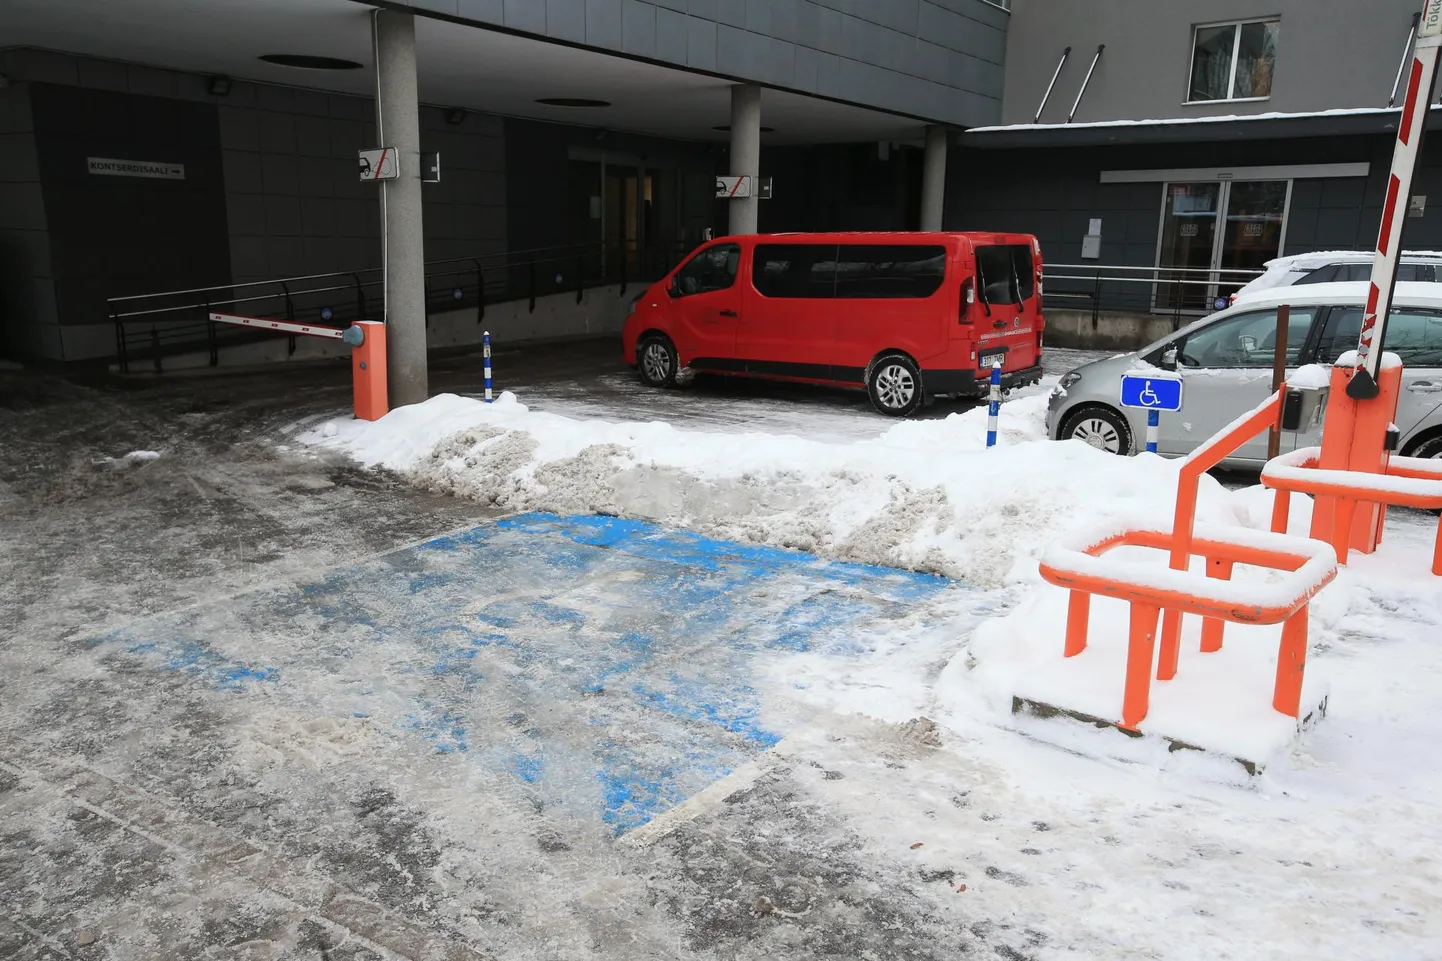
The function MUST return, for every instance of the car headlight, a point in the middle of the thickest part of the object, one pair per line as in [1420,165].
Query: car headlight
[1070,379]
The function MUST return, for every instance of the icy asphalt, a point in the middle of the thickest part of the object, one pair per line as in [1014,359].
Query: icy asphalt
[159,802]
[255,704]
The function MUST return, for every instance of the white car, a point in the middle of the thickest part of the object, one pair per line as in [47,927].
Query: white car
[1339,266]
[1226,365]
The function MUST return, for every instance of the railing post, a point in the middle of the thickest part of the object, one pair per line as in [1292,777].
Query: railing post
[531,282]
[480,292]
[121,360]
[290,316]
[155,348]
[623,277]
[1097,300]
[580,274]
[210,336]
[360,298]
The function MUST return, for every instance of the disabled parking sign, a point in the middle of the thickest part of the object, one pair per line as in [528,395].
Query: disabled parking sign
[1152,391]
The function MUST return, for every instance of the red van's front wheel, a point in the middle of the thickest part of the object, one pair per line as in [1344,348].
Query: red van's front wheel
[895,385]
[657,361]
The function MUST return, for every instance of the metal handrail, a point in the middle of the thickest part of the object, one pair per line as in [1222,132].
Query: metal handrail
[350,273]
[1194,270]
[170,326]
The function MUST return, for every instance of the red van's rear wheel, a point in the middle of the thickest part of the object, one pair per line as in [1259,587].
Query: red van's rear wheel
[895,385]
[657,361]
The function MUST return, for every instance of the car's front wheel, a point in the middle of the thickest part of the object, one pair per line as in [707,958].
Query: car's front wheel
[895,385]
[1101,427]
[1431,447]
[657,362]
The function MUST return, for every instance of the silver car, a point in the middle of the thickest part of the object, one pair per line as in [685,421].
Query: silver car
[1225,361]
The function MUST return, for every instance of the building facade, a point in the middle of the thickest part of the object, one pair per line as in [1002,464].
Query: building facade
[558,123]
[1128,135]
[1195,138]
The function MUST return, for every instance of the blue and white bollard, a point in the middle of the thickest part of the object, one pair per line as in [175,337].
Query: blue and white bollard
[486,350]
[1153,421]
[993,410]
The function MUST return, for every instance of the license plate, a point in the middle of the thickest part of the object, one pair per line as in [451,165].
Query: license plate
[987,360]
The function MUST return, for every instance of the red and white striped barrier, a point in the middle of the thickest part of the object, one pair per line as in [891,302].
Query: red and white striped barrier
[367,339]
[1411,127]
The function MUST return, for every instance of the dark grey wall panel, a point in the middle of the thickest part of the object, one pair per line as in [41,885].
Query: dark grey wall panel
[936,59]
[1053,192]
[109,235]
[27,291]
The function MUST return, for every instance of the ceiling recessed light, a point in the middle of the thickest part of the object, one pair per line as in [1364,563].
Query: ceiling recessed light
[307,62]
[572,102]
[726,128]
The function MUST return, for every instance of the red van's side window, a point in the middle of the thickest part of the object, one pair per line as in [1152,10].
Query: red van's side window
[866,271]
[712,269]
[794,270]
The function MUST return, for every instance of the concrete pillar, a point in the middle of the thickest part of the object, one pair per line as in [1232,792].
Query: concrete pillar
[745,152]
[933,179]
[398,126]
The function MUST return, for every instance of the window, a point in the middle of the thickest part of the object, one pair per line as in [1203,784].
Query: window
[1004,274]
[1246,340]
[869,271]
[1233,61]
[1411,334]
[794,270]
[712,269]
[1338,273]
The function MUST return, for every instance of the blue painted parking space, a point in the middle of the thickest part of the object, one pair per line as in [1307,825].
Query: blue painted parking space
[602,666]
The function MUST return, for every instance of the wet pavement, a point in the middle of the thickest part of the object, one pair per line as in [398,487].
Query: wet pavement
[191,767]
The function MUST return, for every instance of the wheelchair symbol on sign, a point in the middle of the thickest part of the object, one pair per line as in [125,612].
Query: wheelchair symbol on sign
[1149,397]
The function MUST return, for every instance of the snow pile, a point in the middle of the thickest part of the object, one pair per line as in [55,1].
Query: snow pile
[926,495]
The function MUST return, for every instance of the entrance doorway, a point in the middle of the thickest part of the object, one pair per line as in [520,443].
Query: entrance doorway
[1212,227]
[615,207]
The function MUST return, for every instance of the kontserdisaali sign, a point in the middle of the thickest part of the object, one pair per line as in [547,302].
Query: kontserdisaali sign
[135,168]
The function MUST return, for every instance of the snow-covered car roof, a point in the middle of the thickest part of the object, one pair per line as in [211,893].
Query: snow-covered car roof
[1278,269]
[1410,294]
[1347,293]
[1321,258]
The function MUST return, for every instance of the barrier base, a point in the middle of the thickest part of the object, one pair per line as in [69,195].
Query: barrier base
[1253,766]
[1353,439]
[1219,702]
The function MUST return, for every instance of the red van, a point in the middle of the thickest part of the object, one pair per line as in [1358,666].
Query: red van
[905,315]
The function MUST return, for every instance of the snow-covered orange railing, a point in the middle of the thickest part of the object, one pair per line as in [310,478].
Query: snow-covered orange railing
[1078,564]
[1264,416]
[1406,482]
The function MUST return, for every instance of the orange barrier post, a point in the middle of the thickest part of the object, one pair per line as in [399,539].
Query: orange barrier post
[1291,663]
[368,369]
[1220,568]
[1141,645]
[1354,438]
[1341,494]
[1306,567]
[1201,460]
[1078,614]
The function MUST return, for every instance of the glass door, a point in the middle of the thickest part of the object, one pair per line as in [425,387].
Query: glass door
[630,213]
[1216,225]
[1256,210]
[1188,244]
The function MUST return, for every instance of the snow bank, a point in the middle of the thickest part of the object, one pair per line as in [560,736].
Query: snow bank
[926,495]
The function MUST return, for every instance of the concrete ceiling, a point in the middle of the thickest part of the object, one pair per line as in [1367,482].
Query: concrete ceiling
[458,65]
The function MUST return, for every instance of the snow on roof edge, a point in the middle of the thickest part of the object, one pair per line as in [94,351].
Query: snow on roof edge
[1177,121]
